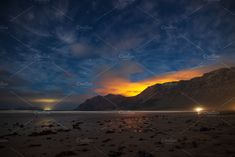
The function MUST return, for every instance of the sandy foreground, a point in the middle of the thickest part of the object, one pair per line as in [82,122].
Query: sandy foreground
[127,134]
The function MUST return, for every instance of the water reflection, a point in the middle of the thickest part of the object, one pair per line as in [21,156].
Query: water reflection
[128,122]
[46,122]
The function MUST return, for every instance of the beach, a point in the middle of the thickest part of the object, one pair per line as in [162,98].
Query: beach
[117,133]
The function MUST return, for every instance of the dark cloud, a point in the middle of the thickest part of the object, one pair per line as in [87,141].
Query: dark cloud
[53,45]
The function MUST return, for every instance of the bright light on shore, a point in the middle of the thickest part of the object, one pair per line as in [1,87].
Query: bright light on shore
[47,108]
[198,109]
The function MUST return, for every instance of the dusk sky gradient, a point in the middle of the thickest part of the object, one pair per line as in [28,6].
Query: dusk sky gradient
[60,52]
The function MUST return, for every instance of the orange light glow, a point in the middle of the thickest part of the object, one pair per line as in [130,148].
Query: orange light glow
[127,88]
[198,109]
[47,108]
[46,100]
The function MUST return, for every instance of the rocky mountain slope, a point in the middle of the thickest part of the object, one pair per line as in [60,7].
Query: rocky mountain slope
[214,90]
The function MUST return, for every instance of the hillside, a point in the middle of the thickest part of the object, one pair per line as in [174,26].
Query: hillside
[211,90]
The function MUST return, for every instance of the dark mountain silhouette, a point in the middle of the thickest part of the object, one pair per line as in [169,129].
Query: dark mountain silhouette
[213,90]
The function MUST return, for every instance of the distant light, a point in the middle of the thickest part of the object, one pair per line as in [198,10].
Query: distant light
[46,100]
[47,108]
[198,109]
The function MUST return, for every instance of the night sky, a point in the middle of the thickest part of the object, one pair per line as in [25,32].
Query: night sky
[58,53]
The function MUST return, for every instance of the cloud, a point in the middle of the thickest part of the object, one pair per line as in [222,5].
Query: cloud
[81,49]
[66,36]
[38,32]
[51,30]
[121,4]
[116,78]
[11,80]
[124,86]
[123,69]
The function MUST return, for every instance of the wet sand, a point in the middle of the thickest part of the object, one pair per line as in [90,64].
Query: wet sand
[114,134]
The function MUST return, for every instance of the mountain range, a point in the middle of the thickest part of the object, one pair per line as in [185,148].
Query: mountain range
[214,90]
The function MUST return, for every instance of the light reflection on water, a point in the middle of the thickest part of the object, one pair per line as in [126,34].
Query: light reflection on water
[135,124]
[45,121]
[133,121]
[128,121]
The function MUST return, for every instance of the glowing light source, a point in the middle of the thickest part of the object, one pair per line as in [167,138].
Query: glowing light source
[46,100]
[47,108]
[198,109]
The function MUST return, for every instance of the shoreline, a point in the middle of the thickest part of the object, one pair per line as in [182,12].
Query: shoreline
[92,112]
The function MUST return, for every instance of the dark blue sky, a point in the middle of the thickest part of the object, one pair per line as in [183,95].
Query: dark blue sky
[67,49]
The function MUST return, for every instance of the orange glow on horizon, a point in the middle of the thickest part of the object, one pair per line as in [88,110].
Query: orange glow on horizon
[47,108]
[46,100]
[127,88]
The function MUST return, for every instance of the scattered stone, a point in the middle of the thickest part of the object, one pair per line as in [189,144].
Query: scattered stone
[1,147]
[85,150]
[194,143]
[42,133]
[35,145]
[106,140]
[144,154]
[66,153]
[63,130]
[110,132]
[13,134]
[204,129]
[77,126]
[115,153]
[188,121]
[141,139]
